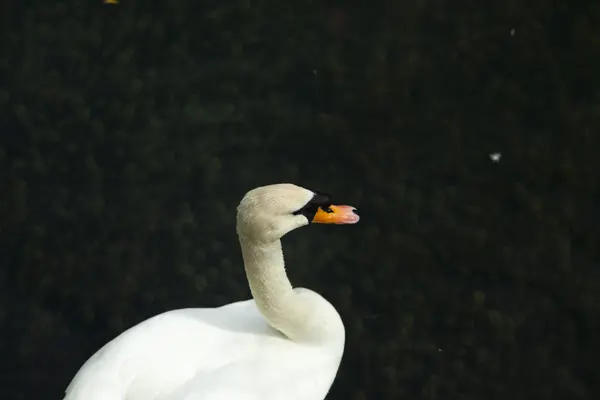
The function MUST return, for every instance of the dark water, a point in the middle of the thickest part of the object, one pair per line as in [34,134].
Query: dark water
[130,132]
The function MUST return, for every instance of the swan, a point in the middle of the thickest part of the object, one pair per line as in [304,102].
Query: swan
[285,343]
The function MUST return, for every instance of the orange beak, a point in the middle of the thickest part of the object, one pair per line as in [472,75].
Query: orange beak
[336,215]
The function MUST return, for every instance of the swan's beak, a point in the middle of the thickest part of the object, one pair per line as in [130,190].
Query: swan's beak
[336,215]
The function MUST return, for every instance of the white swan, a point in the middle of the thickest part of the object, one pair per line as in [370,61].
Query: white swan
[285,344]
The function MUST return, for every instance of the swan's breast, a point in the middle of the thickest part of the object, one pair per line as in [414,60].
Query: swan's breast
[323,320]
[207,354]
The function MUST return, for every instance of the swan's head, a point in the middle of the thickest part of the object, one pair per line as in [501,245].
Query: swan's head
[269,212]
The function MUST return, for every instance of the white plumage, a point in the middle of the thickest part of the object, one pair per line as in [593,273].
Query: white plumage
[284,344]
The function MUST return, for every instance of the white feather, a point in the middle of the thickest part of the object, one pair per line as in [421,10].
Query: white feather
[234,351]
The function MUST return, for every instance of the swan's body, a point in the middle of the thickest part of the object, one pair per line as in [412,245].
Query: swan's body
[221,353]
[284,344]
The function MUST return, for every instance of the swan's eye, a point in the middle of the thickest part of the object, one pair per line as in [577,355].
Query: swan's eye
[310,208]
[319,200]
[309,211]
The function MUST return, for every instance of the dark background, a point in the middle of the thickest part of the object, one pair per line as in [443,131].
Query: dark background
[129,133]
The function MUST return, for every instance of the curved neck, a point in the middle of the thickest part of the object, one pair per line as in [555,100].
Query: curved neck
[271,289]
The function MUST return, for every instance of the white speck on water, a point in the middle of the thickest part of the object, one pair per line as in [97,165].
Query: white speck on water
[440,350]
[495,157]
[314,72]
[513,31]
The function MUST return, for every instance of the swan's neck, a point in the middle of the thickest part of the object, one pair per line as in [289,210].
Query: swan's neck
[297,316]
[269,284]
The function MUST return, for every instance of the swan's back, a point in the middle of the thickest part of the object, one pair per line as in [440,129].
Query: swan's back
[228,352]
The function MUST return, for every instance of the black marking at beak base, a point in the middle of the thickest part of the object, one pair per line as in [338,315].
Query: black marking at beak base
[319,200]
